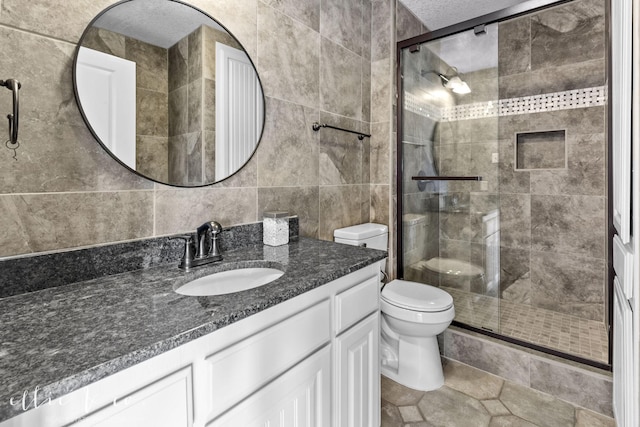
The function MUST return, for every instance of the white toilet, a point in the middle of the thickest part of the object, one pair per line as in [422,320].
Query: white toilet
[413,314]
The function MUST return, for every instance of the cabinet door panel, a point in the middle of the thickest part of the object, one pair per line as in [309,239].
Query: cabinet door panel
[357,399]
[298,398]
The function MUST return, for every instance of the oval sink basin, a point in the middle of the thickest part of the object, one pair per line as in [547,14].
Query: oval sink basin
[227,282]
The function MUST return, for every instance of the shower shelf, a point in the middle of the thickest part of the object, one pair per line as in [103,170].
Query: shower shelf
[446,178]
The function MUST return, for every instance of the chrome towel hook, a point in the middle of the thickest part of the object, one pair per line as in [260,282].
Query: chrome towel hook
[14,86]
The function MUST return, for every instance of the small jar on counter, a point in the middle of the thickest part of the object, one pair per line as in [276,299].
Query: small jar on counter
[275,228]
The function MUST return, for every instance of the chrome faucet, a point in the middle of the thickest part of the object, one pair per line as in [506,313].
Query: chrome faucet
[206,246]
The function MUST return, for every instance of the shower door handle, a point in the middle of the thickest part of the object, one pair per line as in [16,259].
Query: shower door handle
[447,178]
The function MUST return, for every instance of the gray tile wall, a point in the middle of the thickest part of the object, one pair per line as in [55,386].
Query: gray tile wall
[328,61]
[553,221]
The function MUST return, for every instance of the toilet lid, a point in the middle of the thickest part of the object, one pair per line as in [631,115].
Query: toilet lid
[416,296]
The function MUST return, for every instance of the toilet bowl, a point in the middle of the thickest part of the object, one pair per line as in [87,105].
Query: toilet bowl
[413,314]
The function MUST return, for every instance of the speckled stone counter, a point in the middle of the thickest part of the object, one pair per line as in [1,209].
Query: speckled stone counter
[59,339]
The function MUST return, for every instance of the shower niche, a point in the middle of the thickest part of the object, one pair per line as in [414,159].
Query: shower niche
[541,150]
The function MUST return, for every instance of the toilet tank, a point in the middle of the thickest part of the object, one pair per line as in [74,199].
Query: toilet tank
[370,235]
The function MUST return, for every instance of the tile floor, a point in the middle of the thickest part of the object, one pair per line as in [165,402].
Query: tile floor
[474,398]
[569,334]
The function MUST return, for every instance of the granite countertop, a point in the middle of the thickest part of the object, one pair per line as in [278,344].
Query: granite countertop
[60,339]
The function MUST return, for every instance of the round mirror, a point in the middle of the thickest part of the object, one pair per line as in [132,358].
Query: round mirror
[168,92]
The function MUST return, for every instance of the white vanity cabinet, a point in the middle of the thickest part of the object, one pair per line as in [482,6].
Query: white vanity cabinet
[309,361]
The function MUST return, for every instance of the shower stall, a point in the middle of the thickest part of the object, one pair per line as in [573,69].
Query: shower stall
[503,173]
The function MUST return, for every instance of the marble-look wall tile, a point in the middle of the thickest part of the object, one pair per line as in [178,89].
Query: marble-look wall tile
[515,277]
[288,58]
[382,25]
[380,153]
[565,77]
[472,130]
[195,42]
[239,18]
[366,90]
[177,63]
[585,173]
[514,43]
[515,220]
[568,34]
[509,179]
[182,210]
[178,120]
[578,121]
[43,17]
[568,284]
[307,11]
[60,157]
[210,37]
[288,152]
[381,91]
[151,65]
[153,110]
[42,222]
[379,213]
[44,68]
[104,41]
[407,24]
[510,364]
[194,158]
[569,225]
[593,392]
[340,80]
[342,22]
[152,157]
[194,106]
[300,201]
[341,153]
[366,30]
[209,112]
[247,176]
[340,206]
[177,162]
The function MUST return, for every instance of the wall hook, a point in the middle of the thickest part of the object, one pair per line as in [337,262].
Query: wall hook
[14,86]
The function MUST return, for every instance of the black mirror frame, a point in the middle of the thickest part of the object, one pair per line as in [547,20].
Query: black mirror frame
[86,120]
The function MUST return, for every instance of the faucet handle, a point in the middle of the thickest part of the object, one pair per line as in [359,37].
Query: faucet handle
[187,259]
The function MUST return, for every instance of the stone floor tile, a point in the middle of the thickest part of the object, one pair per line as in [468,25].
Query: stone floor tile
[448,407]
[410,414]
[397,394]
[472,381]
[419,424]
[495,407]
[585,418]
[390,415]
[537,407]
[510,421]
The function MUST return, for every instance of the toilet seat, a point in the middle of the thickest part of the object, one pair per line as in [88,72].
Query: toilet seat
[416,296]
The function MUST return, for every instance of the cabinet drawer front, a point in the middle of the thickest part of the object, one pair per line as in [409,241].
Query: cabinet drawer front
[236,372]
[356,303]
[166,402]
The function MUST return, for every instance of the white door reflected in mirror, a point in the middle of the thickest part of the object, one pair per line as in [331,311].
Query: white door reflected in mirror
[107,90]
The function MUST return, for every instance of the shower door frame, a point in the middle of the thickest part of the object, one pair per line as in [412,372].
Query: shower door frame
[512,12]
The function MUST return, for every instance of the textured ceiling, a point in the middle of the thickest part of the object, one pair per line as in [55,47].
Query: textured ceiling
[160,23]
[437,14]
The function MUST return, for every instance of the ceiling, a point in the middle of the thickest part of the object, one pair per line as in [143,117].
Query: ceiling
[436,14]
[160,23]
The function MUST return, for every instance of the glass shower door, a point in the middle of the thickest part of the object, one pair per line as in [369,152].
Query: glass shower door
[449,134]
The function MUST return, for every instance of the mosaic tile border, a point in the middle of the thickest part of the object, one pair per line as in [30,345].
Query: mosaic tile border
[554,101]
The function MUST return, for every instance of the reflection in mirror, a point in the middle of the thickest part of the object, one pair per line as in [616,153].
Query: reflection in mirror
[169,92]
